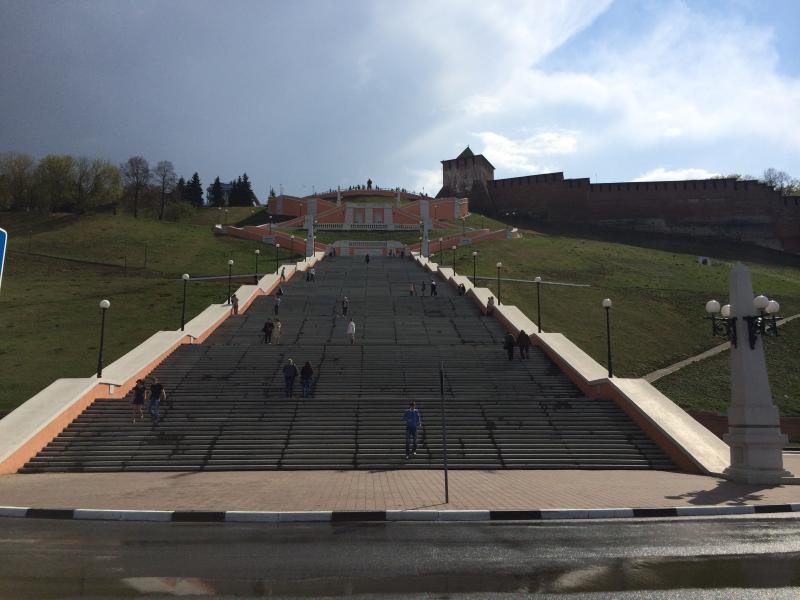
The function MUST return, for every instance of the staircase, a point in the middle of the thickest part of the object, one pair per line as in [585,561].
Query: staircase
[226,408]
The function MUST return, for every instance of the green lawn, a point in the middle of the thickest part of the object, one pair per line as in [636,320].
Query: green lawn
[659,297]
[49,315]
[706,385]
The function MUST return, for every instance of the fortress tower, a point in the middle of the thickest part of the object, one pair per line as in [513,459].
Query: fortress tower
[460,174]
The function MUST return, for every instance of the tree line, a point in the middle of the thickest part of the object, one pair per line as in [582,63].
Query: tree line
[65,183]
[784,184]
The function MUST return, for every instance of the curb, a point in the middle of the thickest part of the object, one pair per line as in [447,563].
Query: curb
[327,516]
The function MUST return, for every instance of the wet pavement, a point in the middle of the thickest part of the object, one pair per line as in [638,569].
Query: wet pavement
[675,558]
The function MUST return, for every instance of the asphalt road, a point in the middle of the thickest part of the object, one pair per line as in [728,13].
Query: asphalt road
[677,558]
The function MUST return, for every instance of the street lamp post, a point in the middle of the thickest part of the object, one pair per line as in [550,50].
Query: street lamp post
[538,281]
[474,259]
[257,253]
[230,273]
[104,306]
[291,247]
[277,251]
[607,305]
[270,224]
[454,259]
[185,278]
[499,264]
[441,250]
[226,217]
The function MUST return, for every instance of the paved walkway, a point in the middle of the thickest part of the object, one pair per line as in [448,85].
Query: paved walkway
[384,490]
[658,374]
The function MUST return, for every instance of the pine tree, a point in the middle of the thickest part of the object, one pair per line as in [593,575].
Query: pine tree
[179,193]
[217,197]
[194,191]
[248,197]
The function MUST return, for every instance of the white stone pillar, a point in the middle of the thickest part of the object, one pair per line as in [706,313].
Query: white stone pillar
[397,200]
[754,433]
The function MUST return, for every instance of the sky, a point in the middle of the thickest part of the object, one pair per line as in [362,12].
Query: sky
[309,95]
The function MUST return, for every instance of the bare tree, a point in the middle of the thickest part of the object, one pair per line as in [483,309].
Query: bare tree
[165,173]
[136,174]
[780,180]
[17,176]
[95,181]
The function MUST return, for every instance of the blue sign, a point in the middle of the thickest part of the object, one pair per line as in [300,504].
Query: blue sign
[3,240]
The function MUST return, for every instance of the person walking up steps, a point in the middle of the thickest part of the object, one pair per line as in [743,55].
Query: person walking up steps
[351,331]
[313,272]
[157,395]
[423,288]
[413,421]
[306,374]
[411,289]
[508,344]
[434,291]
[277,304]
[289,375]
[137,402]
[278,331]
[269,326]
[524,343]
[345,305]
[283,274]
[234,304]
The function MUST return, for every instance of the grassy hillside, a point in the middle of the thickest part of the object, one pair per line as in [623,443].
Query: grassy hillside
[659,296]
[706,385]
[49,315]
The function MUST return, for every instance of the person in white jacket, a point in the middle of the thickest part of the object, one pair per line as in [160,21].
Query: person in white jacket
[351,331]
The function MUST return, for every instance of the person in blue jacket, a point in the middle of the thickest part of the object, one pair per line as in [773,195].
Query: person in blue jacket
[413,421]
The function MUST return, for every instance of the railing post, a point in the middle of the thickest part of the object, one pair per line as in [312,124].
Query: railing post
[444,432]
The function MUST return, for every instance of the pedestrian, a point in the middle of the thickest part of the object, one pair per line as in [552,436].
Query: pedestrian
[234,304]
[434,291]
[278,330]
[289,375]
[411,289]
[462,289]
[277,304]
[423,287]
[308,275]
[269,326]
[345,305]
[490,305]
[366,259]
[157,395]
[413,421]
[283,274]
[137,402]
[306,374]
[313,271]
[351,331]
[508,344]
[524,343]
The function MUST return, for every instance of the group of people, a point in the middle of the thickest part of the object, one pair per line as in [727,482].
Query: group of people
[272,328]
[151,391]
[412,289]
[290,373]
[522,341]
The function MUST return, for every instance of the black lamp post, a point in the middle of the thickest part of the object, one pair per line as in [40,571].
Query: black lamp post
[499,264]
[474,259]
[257,253]
[291,247]
[185,278]
[441,250]
[104,306]
[230,272]
[270,224]
[454,259]
[538,281]
[225,222]
[607,306]
[277,251]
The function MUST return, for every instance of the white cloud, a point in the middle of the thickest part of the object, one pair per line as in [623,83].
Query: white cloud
[662,174]
[521,155]
[427,180]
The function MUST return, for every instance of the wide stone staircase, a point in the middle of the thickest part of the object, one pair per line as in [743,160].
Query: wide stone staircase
[226,408]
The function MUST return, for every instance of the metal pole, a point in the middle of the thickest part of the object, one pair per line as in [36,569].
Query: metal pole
[498,285]
[230,270]
[183,310]
[256,268]
[608,339]
[444,433]
[102,335]
[474,278]
[538,307]
[276,259]
[454,260]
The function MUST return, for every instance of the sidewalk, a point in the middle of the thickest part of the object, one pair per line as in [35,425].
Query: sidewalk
[384,490]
